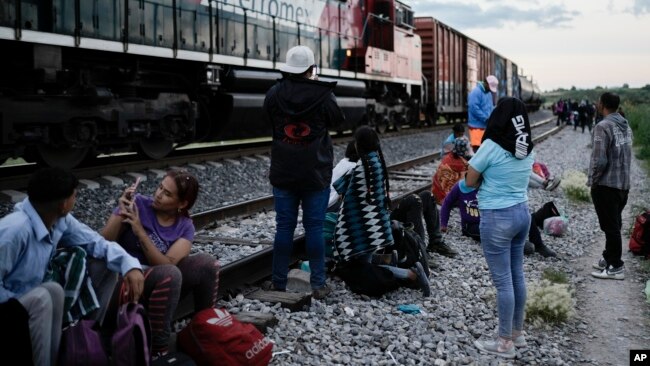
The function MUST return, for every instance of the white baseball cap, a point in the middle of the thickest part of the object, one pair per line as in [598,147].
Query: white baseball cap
[493,82]
[299,59]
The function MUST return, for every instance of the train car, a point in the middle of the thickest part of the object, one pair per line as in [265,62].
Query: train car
[452,65]
[83,77]
[530,93]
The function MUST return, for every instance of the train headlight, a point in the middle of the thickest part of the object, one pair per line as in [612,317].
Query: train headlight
[212,75]
[348,53]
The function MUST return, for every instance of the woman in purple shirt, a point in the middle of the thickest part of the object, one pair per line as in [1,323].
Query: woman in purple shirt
[159,232]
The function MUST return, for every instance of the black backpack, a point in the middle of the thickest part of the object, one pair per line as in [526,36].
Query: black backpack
[409,246]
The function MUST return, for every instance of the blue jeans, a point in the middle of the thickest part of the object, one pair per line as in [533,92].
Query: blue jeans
[503,233]
[314,205]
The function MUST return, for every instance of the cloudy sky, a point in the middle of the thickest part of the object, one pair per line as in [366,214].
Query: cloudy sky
[582,43]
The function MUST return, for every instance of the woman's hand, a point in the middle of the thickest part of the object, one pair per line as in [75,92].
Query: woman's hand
[126,200]
[132,217]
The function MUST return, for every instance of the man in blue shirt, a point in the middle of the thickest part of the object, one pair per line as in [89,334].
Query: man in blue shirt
[29,238]
[479,108]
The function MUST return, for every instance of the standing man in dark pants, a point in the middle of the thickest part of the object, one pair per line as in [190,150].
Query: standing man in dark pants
[301,110]
[609,178]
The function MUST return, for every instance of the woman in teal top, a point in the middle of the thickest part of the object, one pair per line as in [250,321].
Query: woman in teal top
[500,169]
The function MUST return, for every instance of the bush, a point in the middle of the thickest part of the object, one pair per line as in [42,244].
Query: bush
[639,118]
[574,186]
[549,303]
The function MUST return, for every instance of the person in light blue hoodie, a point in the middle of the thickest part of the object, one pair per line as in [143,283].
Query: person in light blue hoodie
[29,239]
[480,104]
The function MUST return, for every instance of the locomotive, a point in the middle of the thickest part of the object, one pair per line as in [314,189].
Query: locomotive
[86,77]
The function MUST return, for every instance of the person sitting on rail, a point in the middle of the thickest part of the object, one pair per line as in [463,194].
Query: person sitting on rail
[364,224]
[39,227]
[457,131]
[464,198]
[158,231]
[452,168]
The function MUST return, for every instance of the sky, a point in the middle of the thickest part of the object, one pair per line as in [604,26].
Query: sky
[581,43]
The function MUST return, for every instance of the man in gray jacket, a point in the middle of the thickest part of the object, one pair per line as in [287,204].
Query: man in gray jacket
[609,178]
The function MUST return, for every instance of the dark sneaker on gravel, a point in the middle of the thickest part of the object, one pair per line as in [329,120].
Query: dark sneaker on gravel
[529,248]
[321,293]
[442,249]
[544,251]
[611,273]
[552,184]
[422,279]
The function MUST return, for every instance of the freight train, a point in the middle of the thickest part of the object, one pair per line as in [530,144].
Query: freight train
[85,77]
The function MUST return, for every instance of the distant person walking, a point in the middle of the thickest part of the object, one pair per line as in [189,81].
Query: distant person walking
[609,178]
[479,107]
[301,110]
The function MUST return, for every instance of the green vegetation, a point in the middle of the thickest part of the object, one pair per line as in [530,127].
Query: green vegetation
[574,185]
[549,303]
[632,96]
[639,117]
[554,276]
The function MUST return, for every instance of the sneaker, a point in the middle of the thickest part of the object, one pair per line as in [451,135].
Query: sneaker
[600,265]
[499,347]
[422,279]
[529,248]
[544,251]
[611,273]
[269,286]
[520,340]
[321,293]
[552,184]
[443,249]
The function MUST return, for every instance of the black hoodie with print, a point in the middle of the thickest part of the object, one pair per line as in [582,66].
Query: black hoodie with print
[301,112]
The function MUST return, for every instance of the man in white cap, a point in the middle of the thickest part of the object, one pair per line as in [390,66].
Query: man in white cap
[301,109]
[479,107]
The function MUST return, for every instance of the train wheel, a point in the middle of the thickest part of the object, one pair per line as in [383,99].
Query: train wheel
[155,148]
[62,157]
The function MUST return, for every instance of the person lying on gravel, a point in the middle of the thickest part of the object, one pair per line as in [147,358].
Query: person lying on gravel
[158,231]
[464,198]
[363,224]
[30,236]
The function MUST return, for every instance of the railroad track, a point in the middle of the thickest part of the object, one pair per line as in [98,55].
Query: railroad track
[16,177]
[249,270]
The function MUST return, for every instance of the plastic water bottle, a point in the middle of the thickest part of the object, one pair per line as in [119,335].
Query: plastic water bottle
[305,266]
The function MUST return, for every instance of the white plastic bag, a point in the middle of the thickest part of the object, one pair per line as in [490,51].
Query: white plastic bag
[556,225]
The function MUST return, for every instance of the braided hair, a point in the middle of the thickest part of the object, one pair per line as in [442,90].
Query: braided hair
[367,141]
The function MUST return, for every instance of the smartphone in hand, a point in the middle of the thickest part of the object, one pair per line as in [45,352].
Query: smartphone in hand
[131,196]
